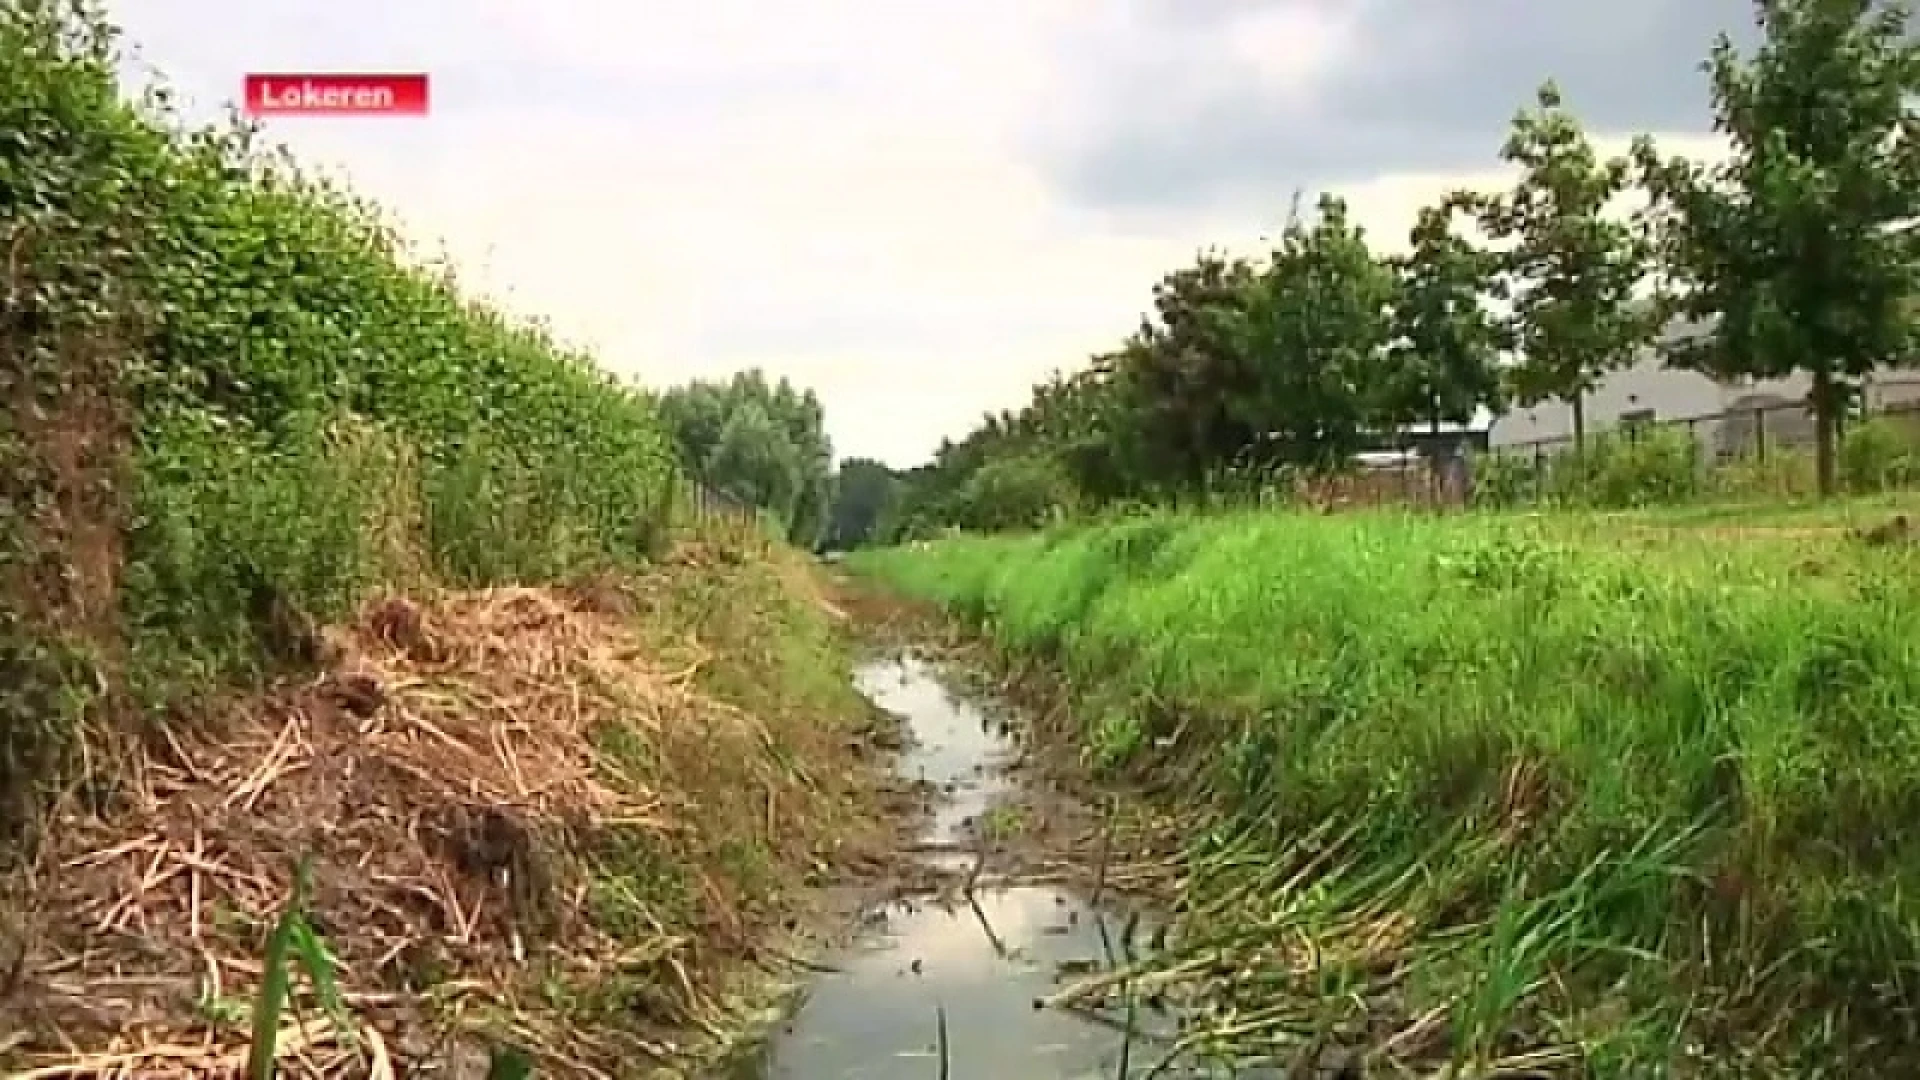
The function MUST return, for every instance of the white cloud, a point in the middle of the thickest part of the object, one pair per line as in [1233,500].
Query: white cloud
[1292,47]
[837,191]
[1387,205]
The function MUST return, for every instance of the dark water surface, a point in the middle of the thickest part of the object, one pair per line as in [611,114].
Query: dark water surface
[982,963]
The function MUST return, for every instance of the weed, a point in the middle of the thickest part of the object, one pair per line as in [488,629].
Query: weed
[293,941]
[1001,823]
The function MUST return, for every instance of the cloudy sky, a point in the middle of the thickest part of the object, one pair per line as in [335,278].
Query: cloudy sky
[917,208]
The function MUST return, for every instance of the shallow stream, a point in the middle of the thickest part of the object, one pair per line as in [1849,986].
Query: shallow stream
[981,964]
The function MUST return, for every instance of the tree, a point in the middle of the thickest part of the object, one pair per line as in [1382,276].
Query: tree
[1022,491]
[694,414]
[1313,327]
[1797,245]
[755,461]
[1185,378]
[699,414]
[935,494]
[1079,418]
[918,506]
[1572,270]
[863,493]
[800,413]
[1444,357]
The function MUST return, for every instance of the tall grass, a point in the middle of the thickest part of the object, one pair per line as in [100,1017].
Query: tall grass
[1749,712]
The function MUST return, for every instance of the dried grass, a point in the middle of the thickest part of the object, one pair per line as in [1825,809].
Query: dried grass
[450,776]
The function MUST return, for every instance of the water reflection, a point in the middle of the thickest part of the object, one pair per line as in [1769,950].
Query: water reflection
[956,745]
[983,962]
[876,1017]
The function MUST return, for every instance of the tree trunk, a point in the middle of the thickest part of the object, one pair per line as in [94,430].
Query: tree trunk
[1579,424]
[1825,408]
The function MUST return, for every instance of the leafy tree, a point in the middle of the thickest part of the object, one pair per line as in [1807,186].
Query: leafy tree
[1079,418]
[1797,243]
[1019,492]
[695,414]
[1077,422]
[754,461]
[1444,357]
[1185,378]
[1240,365]
[931,495]
[804,419]
[1573,271]
[918,505]
[864,492]
[1312,328]
[699,414]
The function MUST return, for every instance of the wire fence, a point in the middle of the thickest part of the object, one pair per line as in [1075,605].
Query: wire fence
[1765,450]
[719,515]
[1393,478]
[1762,450]
[1730,435]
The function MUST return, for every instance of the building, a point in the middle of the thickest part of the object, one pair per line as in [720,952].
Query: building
[1448,439]
[1725,416]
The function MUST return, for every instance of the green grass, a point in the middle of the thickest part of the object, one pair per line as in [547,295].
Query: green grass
[1806,513]
[1609,793]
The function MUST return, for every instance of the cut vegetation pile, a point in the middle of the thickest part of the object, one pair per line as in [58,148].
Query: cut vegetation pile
[1498,791]
[524,822]
[308,558]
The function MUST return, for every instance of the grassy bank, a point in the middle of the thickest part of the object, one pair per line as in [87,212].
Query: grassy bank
[305,554]
[1642,799]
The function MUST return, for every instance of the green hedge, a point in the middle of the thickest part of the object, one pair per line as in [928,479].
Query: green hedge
[281,408]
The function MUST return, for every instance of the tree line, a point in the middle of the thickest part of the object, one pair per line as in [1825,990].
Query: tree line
[763,444]
[1793,252]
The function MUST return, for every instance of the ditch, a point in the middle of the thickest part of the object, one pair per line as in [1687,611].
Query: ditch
[949,982]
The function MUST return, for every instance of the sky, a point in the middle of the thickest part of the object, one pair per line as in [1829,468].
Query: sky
[916,208]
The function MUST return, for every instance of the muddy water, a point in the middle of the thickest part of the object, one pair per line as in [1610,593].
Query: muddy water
[982,964]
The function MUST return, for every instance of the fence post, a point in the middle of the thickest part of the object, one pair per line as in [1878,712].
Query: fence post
[1539,473]
[1693,456]
[1760,433]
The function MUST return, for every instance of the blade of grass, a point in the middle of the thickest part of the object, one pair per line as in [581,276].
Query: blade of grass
[271,1001]
[509,1063]
[940,1039]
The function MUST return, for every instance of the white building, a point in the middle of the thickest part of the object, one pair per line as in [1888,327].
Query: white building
[1722,415]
